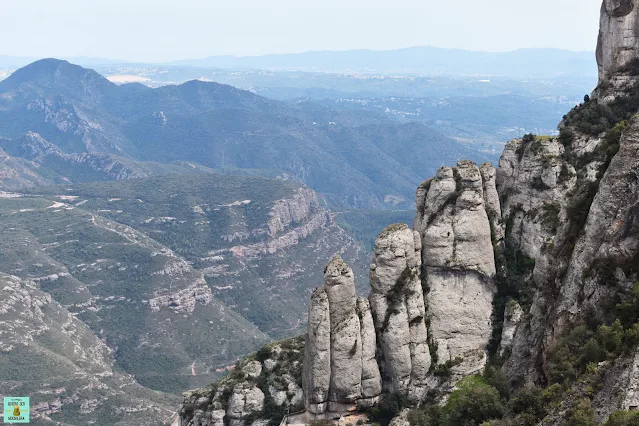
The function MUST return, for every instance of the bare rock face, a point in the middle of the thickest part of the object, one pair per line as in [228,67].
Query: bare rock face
[610,236]
[398,308]
[618,42]
[371,379]
[245,399]
[457,253]
[491,200]
[346,345]
[512,319]
[317,354]
[340,349]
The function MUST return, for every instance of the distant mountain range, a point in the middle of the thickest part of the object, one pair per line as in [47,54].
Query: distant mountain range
[429,60]
[420,60]
[353,158]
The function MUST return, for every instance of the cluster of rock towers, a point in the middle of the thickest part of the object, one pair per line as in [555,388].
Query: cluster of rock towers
[430,301]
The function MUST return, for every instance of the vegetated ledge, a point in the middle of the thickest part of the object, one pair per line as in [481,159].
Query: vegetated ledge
[261,387]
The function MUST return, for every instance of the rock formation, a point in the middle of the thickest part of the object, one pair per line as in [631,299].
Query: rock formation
[450,254]
[618,42]
[266,379]
[397,302]
[340,372]
[458,257]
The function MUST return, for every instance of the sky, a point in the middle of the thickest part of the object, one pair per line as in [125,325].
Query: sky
[164,30]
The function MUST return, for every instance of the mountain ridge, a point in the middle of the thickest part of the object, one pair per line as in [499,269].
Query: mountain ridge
[219,126]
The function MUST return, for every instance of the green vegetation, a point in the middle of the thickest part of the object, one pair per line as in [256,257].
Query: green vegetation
[473,403]
[513,271]
[445,369]
[623,418]
[389,407]
[397,294]
[550,216]
[581,414]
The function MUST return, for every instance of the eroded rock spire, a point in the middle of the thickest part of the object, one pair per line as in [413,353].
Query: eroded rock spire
[618,42]
[340,371]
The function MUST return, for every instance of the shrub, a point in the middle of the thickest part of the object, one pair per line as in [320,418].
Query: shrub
[623,418]
[581,414]
[445,368]
[425,416]
[550,216]
[497,379]
[263,353]
[628,310]
[529,404]
[566,136]
[473,403]
[388,407]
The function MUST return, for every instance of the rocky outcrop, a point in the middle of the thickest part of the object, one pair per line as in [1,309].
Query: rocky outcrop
[317,354]
[618,42]
[397,302]
[291,210]
[512,318]
[253,392]
[610,237]
[458,258]
[340,372]
[246,398]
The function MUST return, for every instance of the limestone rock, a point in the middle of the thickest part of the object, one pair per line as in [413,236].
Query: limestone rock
[457,252]
[618,42]
[491,200]
[340,370]
[253,369]
[398,308]
[346,345]
[610,236]
[371,379]
[245,399]
[401,419]
[317,354]
[512,318]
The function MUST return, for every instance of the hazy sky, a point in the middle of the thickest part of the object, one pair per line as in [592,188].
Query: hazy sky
[178,29]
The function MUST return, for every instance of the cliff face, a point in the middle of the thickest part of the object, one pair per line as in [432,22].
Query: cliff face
[459,264]
[618,42]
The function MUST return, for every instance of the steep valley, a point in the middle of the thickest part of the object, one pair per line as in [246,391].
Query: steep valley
[176,277]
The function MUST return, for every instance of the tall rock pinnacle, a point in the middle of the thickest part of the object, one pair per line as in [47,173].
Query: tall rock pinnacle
[340,370]
[454,215]
[618,42]
[398,307]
